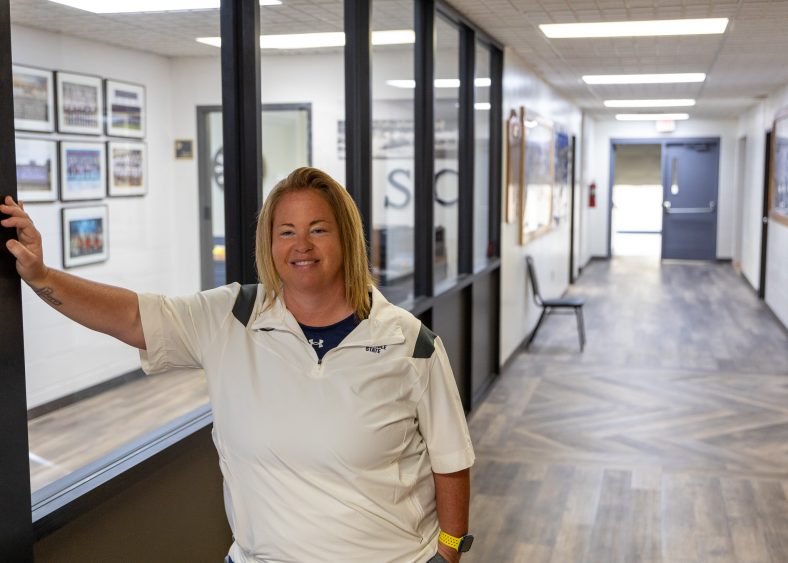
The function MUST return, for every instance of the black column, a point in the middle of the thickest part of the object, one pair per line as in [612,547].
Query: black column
[358,109]
[496,146]
[424,165]
[466,149]
[240,28]
[16,527]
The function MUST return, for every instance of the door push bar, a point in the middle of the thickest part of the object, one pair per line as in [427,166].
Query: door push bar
[668,209]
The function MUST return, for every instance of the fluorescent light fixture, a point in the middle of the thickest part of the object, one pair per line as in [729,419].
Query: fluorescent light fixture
[322,40]
[649,103]
[644,78]
[705,26]
[482,105]
[141,6]
[402,83]
[652,116]
[394,37]
[212,41]
[447,82]
[303,40]
[440,83]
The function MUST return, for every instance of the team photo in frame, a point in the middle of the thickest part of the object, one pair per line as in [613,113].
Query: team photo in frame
[125,103]
[36,170]
[127,169]
[34,99]
[80,103]
[83,171]
[85,238]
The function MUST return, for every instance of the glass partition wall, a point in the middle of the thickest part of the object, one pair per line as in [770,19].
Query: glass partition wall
[120,158]
[482,83]
[392,236]
[447,140]
[105,128]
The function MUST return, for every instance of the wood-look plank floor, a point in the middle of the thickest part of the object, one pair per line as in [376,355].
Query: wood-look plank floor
[666,441]
[72,437]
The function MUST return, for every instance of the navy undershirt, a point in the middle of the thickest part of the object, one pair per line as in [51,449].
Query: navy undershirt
[324,338]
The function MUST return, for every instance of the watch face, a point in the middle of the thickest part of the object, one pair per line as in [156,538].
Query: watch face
[465,543]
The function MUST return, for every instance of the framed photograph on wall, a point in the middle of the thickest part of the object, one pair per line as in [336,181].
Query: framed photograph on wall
[514,162]
[125,109]
[562,177]
[127,165]
[79,104]
[778,188]
[36,170]
[83,171]
[85,238]
[536,215]
[34,99]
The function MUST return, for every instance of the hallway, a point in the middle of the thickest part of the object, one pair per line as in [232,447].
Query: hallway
[665,441]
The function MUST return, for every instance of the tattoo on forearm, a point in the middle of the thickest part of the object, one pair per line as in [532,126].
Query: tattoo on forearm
[45,293]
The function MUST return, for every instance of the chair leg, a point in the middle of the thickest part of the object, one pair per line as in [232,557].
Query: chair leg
[581,328]
[536,328]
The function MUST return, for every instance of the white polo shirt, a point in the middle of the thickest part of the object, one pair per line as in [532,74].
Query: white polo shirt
[322,461]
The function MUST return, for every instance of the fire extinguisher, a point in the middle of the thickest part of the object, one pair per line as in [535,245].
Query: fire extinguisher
[592,194]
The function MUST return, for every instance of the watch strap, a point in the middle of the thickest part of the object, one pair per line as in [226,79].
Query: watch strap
[457,544]
[449,540]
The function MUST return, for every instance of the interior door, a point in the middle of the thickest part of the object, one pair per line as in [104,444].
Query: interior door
[287,144]
[690,175]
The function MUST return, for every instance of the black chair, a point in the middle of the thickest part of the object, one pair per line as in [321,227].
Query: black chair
[551,305]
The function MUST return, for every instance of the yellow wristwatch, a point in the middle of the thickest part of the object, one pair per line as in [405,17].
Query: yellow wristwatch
[460,545]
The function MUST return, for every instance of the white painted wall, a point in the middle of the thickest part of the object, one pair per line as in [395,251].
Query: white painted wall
[521,86]
[754,125]
[598,168]
[151,239]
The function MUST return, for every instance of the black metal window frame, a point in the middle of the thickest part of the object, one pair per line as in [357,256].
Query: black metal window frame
[16,527]
[425,13]
[240,57]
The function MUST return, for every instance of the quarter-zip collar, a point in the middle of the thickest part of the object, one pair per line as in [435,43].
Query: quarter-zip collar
[380,329]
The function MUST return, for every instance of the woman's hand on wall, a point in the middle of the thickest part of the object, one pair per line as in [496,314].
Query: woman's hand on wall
[27,249]
[105,308]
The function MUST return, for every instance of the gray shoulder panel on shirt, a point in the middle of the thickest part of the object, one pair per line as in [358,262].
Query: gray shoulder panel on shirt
[244,303]
[425,343]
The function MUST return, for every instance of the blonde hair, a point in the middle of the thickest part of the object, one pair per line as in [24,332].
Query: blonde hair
[355,265]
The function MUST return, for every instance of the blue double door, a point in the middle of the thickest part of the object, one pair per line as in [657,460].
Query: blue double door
[690,178]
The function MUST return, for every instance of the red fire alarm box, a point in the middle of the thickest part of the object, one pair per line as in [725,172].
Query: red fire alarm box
[592,194]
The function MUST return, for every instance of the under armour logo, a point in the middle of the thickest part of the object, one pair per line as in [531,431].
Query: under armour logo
[316,343]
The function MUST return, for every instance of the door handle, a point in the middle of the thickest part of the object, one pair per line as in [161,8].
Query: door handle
[682,210]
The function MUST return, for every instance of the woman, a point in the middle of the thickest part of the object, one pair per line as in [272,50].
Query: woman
[339,428]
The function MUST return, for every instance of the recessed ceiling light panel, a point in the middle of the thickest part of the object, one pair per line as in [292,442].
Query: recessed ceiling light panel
[649,103]
[145,6]
[440,83]
[652,116]
[644,78]
[651,28]
[321,40]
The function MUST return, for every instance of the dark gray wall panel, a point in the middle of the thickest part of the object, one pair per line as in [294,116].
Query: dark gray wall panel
[449,320]
[483,334]
[176,513]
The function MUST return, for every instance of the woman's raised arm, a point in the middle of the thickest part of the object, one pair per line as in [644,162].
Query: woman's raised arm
[105,308]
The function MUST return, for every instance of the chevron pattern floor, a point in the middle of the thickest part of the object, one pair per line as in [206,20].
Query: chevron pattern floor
[665,442]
